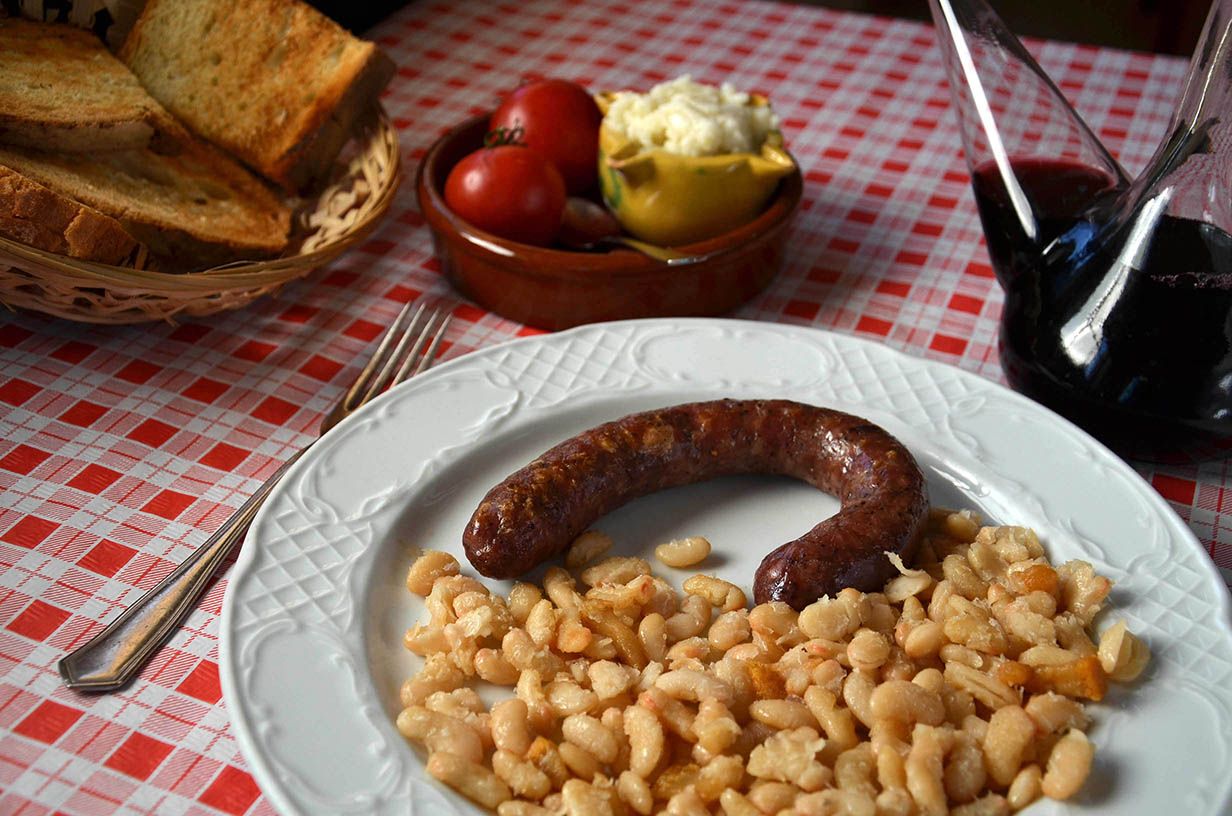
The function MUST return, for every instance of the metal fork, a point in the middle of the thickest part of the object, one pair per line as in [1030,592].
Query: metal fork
[116,654]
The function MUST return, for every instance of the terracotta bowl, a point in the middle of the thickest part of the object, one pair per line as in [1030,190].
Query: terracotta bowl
[557,288]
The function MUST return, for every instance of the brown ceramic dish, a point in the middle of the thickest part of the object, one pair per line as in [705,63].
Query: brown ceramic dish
[557,288]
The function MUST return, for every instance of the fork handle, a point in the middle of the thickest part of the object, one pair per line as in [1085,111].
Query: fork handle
[112,657]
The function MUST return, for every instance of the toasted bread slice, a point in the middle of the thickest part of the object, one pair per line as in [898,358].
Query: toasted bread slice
[34,215]
[274,82]
[197,208]
[61,89]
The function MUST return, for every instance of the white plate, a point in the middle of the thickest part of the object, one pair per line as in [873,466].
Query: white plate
[316,607]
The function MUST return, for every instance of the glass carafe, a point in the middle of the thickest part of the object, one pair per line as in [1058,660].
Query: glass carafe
[1118,292]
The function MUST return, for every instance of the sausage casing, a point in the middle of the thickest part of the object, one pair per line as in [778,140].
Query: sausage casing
[536,512]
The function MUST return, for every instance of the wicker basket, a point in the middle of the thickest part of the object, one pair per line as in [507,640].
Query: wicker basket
[345,212]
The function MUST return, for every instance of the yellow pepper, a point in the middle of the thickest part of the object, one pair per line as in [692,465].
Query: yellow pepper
[670,200]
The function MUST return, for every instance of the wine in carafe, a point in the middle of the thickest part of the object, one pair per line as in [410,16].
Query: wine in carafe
[1118,292]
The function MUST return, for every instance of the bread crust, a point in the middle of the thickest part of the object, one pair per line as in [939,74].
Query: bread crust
[61,89]
[279,86]
[35,215]
[195,209]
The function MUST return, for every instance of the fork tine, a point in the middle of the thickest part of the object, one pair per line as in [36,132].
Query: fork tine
[393,361]
[409,367]
[429,356]
[418,359]
[397,331]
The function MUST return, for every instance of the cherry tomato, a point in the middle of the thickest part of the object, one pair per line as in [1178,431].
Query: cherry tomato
[510,191]
[560,120]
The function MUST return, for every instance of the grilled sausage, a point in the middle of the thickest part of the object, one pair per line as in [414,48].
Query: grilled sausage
[535,513]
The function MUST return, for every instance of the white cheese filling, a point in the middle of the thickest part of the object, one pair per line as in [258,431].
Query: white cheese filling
[690,119]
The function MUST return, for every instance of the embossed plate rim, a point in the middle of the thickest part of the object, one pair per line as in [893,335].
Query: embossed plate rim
[254,726]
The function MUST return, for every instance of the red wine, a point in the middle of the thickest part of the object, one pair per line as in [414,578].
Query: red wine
[1124,325]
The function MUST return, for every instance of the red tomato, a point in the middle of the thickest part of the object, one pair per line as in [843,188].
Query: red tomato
[560,120]
[510,191]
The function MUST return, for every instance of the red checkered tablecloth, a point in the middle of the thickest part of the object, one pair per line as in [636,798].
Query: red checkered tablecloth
[121,449]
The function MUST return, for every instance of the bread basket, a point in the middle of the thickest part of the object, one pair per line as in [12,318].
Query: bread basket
[365,182]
